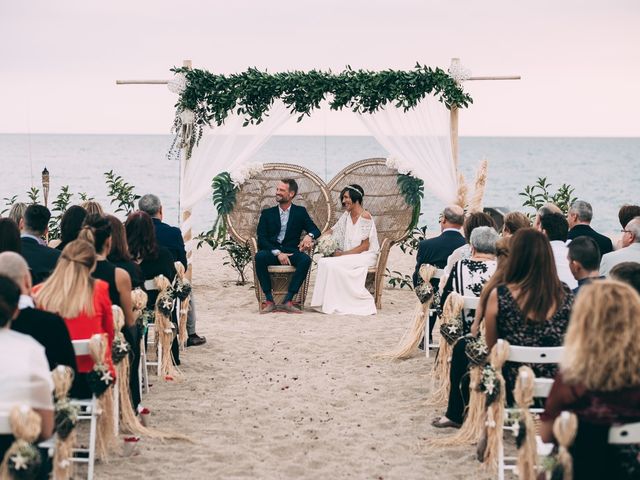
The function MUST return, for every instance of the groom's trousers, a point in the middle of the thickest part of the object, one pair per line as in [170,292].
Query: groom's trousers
[300,260]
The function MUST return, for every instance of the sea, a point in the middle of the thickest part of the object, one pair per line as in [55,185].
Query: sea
[603,171]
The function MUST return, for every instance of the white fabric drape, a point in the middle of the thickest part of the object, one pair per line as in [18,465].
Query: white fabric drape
[225,148]
[421,138]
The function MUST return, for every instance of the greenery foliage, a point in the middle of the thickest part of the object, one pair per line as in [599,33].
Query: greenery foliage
[239,256]
[412,189]
[251,93]
[59,206]
[121,192]
[535,196]
[398,279]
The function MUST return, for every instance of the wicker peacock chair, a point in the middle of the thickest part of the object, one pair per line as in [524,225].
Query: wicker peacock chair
[258,193]
[382,198]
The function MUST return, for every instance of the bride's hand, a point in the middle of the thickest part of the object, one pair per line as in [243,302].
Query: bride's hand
[337,253]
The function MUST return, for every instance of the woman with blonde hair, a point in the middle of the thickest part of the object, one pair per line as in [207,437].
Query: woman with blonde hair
[599,379]
[92,207]
[82,301]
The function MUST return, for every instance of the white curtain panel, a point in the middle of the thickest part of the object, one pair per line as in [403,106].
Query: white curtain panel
[225,148]
[421,138]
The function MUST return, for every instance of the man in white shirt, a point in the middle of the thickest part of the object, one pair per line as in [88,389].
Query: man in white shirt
[556,227]
[630,251]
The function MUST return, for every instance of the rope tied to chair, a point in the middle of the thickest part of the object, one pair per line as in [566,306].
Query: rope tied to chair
[526,430]
[101,383]
[22,460]
[565,428]
[66,418]
[182,290]
[408,344]
[164,328]
[493,386]
[450,332]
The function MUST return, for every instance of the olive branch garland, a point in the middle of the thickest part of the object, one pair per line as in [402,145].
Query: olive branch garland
[212,97]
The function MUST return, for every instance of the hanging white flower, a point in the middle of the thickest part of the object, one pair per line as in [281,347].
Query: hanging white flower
[177,84]
[187,117]
[459,73]
[240,175]
[403,167]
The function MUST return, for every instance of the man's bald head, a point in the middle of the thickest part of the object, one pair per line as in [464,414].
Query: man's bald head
[15,267]
[452,217]
[544,210]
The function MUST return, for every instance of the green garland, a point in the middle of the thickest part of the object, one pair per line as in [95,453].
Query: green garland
[412,188]
[212,97]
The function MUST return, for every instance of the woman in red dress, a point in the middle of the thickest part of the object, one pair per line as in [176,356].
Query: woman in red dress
[82,301]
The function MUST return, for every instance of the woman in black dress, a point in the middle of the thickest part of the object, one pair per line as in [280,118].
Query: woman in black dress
[119,254]
[152,259]
[70,225]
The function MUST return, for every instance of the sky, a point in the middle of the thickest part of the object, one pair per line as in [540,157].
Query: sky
[579,59]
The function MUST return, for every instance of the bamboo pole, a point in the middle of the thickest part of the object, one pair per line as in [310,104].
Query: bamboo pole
[186,214]
[504,77]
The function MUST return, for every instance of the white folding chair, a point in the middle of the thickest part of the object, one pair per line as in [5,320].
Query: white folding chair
[541,389]
[143,369]
[470,303]
[627,434]
[427,338]
[88,411]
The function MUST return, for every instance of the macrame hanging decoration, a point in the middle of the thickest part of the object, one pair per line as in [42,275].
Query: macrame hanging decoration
[474,421]
[164,328]
[66,418]
[101,382]
[408,344]
[23,459]
[450,332]
[182,291]
[525,430]
[565,428]
[493,386]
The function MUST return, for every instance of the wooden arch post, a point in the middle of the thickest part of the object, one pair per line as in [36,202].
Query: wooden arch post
[185,215]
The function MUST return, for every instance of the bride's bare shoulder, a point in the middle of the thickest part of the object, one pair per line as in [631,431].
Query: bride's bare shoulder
[366,215]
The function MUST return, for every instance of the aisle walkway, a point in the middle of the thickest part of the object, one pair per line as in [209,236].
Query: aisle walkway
[284,396]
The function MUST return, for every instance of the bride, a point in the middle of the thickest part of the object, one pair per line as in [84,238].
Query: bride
[340,282]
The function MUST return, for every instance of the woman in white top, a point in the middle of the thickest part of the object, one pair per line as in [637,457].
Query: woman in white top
[340,282]
[25,378]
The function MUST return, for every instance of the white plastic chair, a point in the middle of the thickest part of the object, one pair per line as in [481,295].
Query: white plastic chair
[541,389]
[88,411]
[627,434]
[470,303]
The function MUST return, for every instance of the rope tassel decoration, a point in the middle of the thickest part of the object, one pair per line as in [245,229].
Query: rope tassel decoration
[164,328]
[526,430]
[66,417]
[23,459]
[408,344]
[182,291]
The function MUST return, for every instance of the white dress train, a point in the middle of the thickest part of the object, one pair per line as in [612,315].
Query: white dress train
[340,281]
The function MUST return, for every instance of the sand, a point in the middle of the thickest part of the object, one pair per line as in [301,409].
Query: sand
[293,396]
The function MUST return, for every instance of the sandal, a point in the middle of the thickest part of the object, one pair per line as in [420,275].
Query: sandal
[444,422]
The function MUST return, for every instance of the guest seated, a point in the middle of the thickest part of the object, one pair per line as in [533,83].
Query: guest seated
[555,227]
[627,272]
[152,259]
[469,275]
[514,221]
[119,253]
[92,207]
[584,260]
[459,371]
[531,308]
[340,281]
[436,250]
[24,371]
[579,218]
[47,328]
[171,238]
[17,213]
[599,380]
[97,230]
[630,251]
[70,225]
[82,301]
[544,210]
[41,259]
[473,221]
[625,215]
[9,236]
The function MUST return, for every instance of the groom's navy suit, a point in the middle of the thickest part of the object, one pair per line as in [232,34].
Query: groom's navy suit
[269,228]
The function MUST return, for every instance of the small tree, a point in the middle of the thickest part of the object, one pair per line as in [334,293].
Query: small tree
[60,205]
[121,192]
[535,196]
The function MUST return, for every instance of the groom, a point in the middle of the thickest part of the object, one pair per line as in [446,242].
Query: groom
[279,232]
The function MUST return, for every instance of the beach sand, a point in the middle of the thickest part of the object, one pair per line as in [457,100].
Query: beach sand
[294,396]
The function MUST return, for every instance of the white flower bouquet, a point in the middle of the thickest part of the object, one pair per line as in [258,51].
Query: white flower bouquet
[327,245]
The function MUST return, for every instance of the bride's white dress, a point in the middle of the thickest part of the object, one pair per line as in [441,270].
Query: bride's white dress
[340,281]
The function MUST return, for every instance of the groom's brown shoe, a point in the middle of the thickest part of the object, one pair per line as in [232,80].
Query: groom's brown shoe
[289,307]
[268,307]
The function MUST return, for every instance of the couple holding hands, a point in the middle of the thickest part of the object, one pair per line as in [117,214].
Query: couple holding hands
[340,281]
